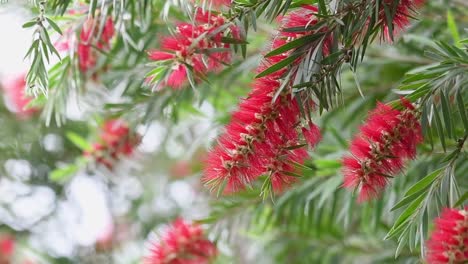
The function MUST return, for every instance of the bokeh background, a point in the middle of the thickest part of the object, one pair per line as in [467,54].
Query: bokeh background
[97,215]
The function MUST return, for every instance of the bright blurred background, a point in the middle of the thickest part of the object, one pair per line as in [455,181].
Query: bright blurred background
[54,209]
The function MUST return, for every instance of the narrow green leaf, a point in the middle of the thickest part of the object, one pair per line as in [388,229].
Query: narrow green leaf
[29,24]
[78,141]
[410,210]
[388,18]
[446,114]
[295,44]
[462,109]
[327,163]
[61,174]
[440,130]
[330,59]
[452,26]
[423,183]
[278,66]
[54,25]
[407,199]
[462,199]
[233,40]
[322,7]
[410,78]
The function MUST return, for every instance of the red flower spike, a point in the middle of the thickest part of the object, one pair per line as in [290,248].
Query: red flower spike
[7,246]
[188,48]
[215,3]
[387,139]
[182,243]
[449,240]
[87,56]
[312,134]
[116,140]
[403,11]
[160,55]
[16,98]
[263,136]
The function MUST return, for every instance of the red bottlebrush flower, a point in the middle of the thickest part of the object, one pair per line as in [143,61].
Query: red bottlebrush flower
[7,245]
[183,243]
[105,240]
[160,55]
[16,98]
[221,2]
[401,12]
[312,134]
[181,169]
[115,140]
[192,48]
[215,3]
[178,77]
[87,56]
[113,131]
[7,248]
[449,240]
[264,136]
[386,140]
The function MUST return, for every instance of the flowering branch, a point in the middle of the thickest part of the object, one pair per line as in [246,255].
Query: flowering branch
[40,51]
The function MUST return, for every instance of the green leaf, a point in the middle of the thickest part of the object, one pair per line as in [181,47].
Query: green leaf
[446,113]
[54,25]
[295,44]
[404,217]
[61,174]
[278,66]
[78,141]
[327,164]
[330,59]
[462,199]
[440,130]
[29,24]
[452,26]
[462,109]
[408,199]
[322,7]
[233,40]
[423,183]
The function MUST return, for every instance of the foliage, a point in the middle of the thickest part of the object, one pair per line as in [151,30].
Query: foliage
[345,63]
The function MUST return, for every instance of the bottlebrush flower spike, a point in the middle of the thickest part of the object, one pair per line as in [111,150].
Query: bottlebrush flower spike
[400,12]
[191,49]
[16,98]
[385,141]
[183,243]
[115,140]
[264,136]
[449,240]
[7,248]
[87,56]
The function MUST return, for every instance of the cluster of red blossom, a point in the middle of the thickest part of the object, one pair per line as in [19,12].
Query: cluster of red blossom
[7,247]
[87,43]
[385,141]
[196,47]
[400,19]
[87,56]
[449,240]
[265,132]
[115,141]
[15,96]
[183,243]
[7,251]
